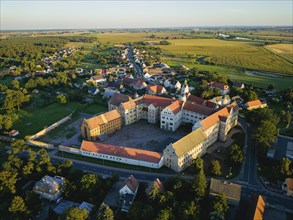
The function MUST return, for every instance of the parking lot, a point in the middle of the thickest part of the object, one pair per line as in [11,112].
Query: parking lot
[146,136]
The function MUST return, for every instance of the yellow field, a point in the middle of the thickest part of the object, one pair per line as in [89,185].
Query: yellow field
[285,50]
[231,53]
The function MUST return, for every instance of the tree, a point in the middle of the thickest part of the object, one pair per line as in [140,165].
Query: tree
[18,207]
[271,87]
[216,168]
[7,181]
[220,207]
[286,168]
[165,214]
[33,202]
[105,212]
[236,154]
[74,213]
[61,99]
[250,95]
[288,118]
[198,164]
[19,146]
[200,184]
[265,134]
[188,210]
[88,182]
[256,116]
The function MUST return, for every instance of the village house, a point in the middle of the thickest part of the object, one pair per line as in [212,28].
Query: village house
[222,87]
[97,79]
[106,123]
[221,100]
[79,70]
[231,190]
[254,105]
[128,193]
[93,90]
[155,185]
[49,187]
[288,186]
[156,90]
[172,84]
[238,85]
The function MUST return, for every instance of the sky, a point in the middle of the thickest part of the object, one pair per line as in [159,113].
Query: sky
[95,14]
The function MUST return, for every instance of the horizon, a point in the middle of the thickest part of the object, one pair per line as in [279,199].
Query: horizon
[82,15]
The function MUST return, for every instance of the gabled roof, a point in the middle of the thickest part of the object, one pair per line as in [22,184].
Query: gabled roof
[131,183]
[258,207]
[120,151]
[155,88]
[231,190]
[188,142]
[102,119]
[97,77]
[175,107]
[128,105]
[254,103]
[201,101]
[161,101]
[220,115]
[156,183]
[219,85]
[289,183]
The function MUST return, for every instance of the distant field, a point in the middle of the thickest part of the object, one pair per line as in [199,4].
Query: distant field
[231,53]
[285,50]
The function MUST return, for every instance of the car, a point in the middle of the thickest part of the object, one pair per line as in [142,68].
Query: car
[59,200]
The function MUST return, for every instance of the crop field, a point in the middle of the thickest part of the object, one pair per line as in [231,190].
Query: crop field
[285,50]
[231,53]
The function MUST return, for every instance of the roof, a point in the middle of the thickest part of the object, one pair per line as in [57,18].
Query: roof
[193,107]
[220,115]
[155,88]
[128,105]
[131,183]
[219,98]
[231,190]
[161,101]
[188,142]
[103,119]
[289,183]
[156,183]
[120,151]
[175,107]
[49,184]
[118,98]
[201,101]
[254,103]
[97,77]
[219,85]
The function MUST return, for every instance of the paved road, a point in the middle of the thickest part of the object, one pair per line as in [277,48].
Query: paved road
[136,67]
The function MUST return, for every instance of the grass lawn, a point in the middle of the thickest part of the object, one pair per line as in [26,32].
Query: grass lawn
[231,53]
[32,120]
[94,108]
[112,163]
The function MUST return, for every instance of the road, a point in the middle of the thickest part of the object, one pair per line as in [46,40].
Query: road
[136,67]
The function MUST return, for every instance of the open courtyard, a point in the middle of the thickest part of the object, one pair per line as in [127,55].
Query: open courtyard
[146,136]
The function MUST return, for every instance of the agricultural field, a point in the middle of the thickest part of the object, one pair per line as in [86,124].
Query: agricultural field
[284,50]
[230,53]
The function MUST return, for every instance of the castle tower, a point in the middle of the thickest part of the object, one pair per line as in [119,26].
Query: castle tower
[184,91]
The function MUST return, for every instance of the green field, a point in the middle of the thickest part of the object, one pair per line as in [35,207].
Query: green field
[230,53]
[32,120]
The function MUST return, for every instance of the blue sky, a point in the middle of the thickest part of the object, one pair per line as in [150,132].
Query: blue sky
[56,14]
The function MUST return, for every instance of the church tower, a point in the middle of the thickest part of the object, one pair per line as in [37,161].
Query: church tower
[184,91]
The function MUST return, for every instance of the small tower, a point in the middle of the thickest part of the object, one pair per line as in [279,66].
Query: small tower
[184,91]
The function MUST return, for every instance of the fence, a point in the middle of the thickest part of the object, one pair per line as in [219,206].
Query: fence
[51,127]
[40,144]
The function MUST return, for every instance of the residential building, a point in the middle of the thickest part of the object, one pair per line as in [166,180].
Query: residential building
[98,79]
[172,84]
[93,90]
[288,186]
[231,190]
[79,70]
[171,116]
[122,154]
[239,85]
[128,193]
[254,105]
[156,90]
[222,87]
[221,100]
[49,187]
[106,123]
[156,185]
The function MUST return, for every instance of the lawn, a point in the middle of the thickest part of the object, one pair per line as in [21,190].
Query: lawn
[94,108]
[230,53]
[32,120]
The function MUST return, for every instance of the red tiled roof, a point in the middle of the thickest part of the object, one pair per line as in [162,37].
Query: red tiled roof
[290,183]
[161,101]
[201,101]
[219,85]
[220,115]
[118,98]
[175,107]
[120,151]
[254,103]
[131,183]
[103,119]
[155,88]
[97,77]
[193,107]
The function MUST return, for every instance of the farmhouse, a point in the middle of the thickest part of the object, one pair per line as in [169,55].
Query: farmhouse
[255,104]
[98,79]
[106,123]
[222,87]
[128,192]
